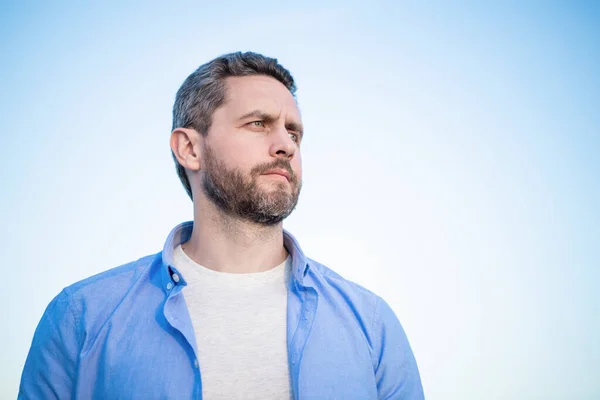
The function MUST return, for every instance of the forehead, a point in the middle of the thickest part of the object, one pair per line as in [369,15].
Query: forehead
[247,93]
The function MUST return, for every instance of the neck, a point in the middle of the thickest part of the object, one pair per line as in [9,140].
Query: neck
[227,244]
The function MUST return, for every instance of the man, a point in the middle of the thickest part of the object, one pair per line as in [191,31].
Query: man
[231,308]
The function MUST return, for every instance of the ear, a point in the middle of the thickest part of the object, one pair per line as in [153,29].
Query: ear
[185,144]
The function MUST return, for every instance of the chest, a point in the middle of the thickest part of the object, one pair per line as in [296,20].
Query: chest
[241,341]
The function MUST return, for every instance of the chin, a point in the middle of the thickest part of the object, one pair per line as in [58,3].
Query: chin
[278,186]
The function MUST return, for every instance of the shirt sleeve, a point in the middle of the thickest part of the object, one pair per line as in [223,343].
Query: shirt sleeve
[396,369]
[50,368]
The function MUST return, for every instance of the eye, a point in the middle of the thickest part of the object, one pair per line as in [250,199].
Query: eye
[295,137]
[257,124]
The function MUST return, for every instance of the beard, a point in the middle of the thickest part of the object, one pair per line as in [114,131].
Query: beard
[240,196]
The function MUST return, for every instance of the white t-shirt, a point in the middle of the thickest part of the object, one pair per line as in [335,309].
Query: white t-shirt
[240,323]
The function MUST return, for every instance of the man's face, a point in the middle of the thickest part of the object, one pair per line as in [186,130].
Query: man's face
[251,156]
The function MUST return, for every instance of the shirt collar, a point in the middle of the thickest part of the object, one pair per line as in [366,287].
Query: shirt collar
[182,233]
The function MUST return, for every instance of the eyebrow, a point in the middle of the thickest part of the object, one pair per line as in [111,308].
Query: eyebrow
[269,118]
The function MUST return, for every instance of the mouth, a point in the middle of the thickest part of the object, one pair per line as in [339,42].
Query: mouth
[279,172]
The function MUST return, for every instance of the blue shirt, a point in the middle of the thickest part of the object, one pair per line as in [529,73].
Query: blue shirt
[126,334]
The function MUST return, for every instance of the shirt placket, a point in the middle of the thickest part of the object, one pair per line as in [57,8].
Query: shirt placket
[176,314]
[308,306]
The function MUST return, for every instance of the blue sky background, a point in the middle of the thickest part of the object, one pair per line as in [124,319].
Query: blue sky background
[450,165]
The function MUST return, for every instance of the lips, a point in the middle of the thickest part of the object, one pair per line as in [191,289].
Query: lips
[278,171]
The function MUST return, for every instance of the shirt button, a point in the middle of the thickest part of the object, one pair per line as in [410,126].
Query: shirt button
[169,286]
[176,278]
[196,363]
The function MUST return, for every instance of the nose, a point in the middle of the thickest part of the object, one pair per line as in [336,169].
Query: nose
[282,145]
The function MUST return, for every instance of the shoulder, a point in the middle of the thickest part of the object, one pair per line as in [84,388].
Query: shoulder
[113,280]
[393,360]
[347,299]
[86,304]
[93,300]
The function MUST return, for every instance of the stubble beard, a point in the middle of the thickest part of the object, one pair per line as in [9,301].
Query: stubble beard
[240,196]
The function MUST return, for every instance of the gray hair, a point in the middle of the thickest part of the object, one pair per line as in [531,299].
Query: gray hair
[204,91]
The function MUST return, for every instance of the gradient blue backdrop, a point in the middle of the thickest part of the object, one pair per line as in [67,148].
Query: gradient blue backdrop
[451,165]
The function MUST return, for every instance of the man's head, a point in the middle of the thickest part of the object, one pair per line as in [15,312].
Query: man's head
[236,137]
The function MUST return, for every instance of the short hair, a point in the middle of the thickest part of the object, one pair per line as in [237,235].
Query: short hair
[204,91]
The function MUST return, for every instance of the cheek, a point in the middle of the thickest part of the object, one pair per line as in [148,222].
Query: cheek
[236,156]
